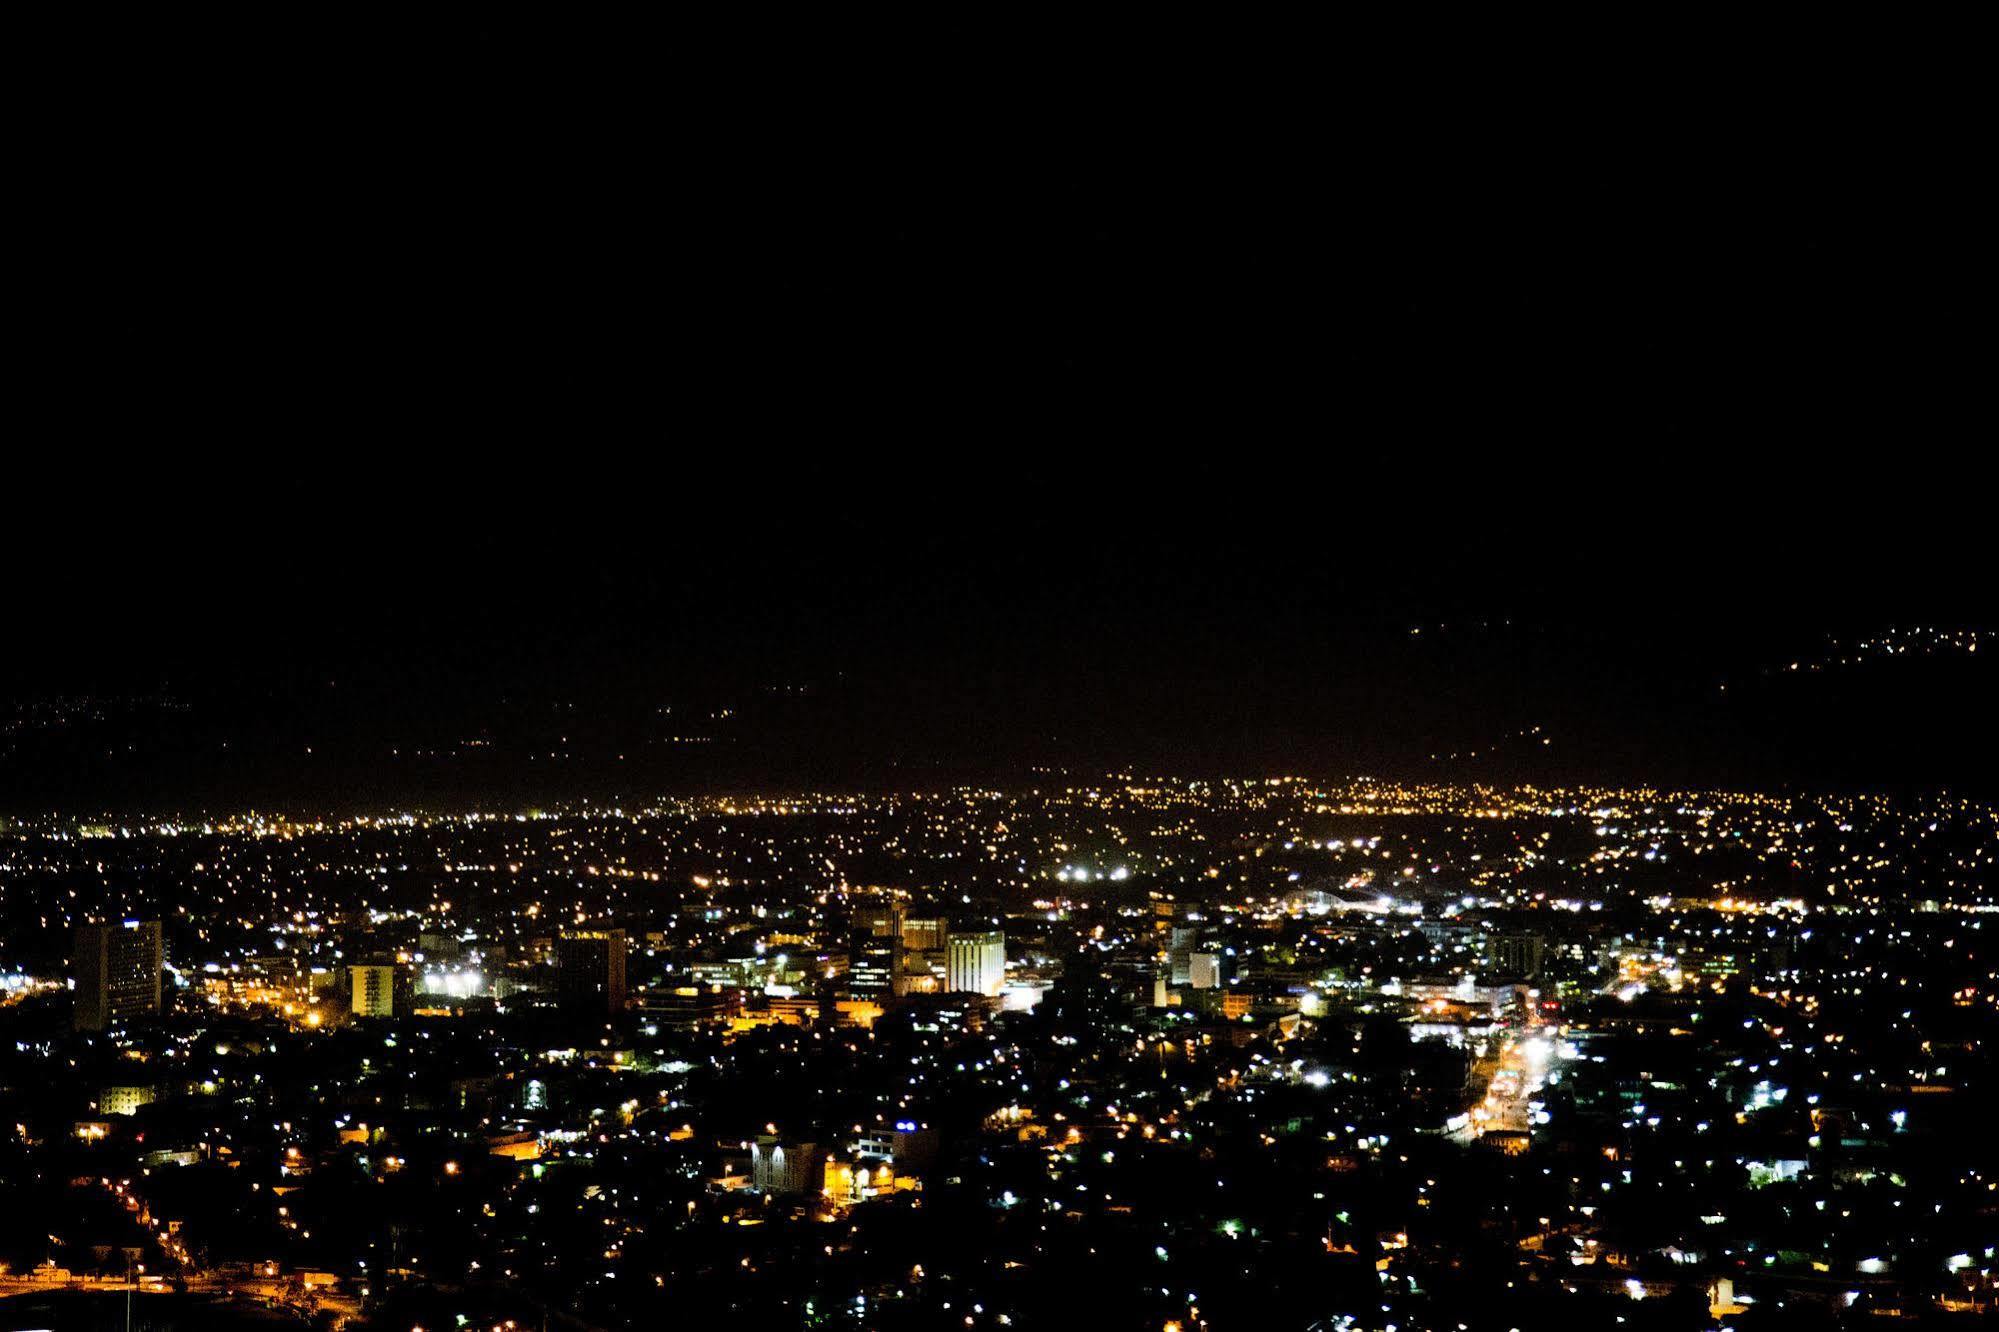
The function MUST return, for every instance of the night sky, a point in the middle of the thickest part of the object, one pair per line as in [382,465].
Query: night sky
[382,418]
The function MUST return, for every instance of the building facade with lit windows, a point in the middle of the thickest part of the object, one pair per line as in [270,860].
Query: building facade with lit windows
[376,990]
[975,963]
[117,972]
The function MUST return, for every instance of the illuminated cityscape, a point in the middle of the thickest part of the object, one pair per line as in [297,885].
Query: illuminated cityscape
[1189,1049]
[636,695]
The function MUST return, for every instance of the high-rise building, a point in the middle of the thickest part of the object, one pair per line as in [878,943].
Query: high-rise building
[375,990]
[1204,970]
[883,920]
[1180,953]
[1519,955]
[590,971]
[117,973]
[921,968]
[688,1007]
[872,962]
[975,963]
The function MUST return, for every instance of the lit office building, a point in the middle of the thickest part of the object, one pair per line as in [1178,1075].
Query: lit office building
[872,962]
[590,971]
[780,1168]
[117,972]
[375,989]
[976,963]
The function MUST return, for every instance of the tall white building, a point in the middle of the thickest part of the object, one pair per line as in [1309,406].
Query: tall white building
[976,963]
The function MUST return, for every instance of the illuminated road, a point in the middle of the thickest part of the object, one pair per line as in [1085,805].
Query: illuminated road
[1520,1072]
[265,1290]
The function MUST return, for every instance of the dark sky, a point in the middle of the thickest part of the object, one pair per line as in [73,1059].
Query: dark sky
[426,400]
